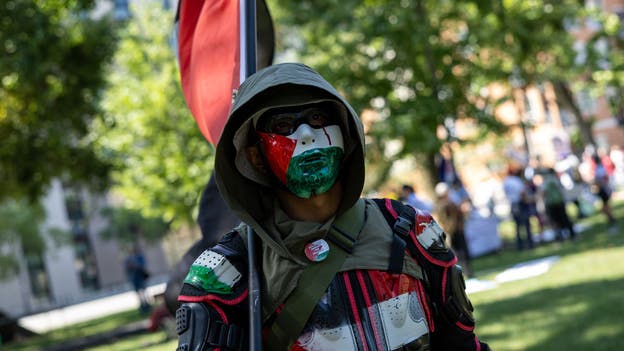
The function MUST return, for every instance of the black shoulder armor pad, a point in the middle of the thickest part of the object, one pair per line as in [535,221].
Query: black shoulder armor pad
[200,328]
[457,306]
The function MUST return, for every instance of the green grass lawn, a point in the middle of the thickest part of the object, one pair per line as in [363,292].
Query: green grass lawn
[148,341]
[577,305]
[145,342]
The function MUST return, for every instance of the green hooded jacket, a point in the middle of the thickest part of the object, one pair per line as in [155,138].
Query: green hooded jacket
[248,193]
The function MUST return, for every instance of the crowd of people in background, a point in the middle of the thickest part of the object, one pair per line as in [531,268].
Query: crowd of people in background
[544,192]
[537,194]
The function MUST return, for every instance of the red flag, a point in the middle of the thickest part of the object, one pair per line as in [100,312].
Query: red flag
[209,54]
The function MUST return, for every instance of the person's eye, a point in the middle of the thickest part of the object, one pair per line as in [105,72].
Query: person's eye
[282,126]
[318,119]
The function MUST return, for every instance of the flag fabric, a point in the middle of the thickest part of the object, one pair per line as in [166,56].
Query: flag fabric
[209,54]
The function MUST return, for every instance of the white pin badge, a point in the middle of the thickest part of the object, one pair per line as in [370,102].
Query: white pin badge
[317,250]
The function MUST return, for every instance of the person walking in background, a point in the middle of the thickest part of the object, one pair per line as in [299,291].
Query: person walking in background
[602,188]
[137,273]
[535,205]
[452,218]
[409,197]
[575,188]
[553,195]
[516,193]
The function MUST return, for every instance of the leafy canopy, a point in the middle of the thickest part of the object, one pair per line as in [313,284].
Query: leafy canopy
[161,161]
[51,62]
[425,65]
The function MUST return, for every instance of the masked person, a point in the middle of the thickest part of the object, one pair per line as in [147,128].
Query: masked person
[337,272]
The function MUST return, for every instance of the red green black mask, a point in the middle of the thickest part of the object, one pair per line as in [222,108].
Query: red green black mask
[303,149]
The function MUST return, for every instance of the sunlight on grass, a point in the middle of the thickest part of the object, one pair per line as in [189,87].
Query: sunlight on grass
[576,305]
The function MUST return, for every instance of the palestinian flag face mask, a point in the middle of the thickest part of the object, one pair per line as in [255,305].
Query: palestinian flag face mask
[303,147]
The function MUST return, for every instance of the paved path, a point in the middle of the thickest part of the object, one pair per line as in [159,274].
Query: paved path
[65,316]
[518,271]
[523,270]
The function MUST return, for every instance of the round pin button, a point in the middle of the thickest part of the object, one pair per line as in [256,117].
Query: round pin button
[317,250]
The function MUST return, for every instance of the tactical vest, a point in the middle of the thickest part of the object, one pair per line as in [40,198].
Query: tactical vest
[365,309]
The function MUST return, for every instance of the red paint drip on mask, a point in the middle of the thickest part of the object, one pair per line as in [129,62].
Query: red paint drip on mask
[278,151]
[327,135]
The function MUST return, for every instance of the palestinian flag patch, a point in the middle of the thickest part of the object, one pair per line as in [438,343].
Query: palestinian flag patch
[212,272]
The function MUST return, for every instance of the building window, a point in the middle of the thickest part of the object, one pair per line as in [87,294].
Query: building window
[38,277]
[620,13]
[530,112]
[544,101]
[581,52]
[567,118]
[84,263]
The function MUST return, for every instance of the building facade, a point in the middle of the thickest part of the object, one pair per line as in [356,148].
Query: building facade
[80,266]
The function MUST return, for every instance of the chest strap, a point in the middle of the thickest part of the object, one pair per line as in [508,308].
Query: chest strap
[315,279]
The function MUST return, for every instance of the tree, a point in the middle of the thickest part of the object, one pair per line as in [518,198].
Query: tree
[19,226]
[411,62]
[423,65]
[605,61]
[161,161]
[129,226]
[50,82]
[533,40]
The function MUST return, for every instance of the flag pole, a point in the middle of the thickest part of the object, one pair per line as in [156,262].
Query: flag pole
[248,67]
[248,11]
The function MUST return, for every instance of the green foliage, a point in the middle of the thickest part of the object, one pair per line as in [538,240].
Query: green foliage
[128,226]
[530,38]
[19,227]
[605,61]
[161,161]
[51,63]
[420,63]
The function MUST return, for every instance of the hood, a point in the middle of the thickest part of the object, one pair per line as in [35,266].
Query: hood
[246,192]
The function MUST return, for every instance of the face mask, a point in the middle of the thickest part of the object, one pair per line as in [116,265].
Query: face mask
[307,161]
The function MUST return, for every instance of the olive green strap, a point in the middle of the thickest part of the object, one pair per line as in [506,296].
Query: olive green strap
[315,279]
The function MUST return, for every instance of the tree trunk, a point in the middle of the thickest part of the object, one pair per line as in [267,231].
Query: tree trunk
[563,92]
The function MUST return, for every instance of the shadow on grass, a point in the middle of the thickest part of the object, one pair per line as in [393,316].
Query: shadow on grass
[143,342]
[79,332]
[585,316]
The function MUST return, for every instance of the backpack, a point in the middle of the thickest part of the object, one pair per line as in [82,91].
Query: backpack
[552,192]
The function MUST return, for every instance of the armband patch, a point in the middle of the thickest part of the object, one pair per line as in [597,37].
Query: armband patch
[212,272]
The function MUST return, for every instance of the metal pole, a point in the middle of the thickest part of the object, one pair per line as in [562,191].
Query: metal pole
[255,310]
[248,55]
[251,36]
